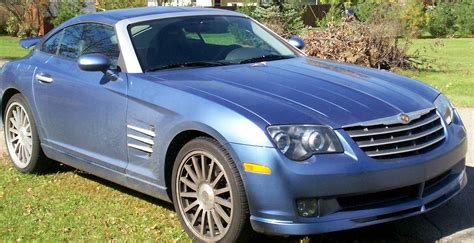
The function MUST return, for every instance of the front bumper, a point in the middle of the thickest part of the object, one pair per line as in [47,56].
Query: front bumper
[345,184]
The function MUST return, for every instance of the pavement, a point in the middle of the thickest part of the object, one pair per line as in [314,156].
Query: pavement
[453,221]
[2,61]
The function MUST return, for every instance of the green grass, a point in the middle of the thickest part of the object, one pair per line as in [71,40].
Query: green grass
[453,74]
[10,48]
[71,205]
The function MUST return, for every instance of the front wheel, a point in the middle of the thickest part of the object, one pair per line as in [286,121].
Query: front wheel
[208,193]
[21,137]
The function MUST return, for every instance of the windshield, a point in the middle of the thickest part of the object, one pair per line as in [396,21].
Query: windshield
[203,41]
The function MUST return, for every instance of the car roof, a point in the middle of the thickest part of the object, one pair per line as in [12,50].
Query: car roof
[111,17]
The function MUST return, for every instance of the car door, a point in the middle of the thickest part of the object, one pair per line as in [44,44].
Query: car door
[82,113]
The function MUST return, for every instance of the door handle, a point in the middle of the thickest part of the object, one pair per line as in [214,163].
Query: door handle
[45,78]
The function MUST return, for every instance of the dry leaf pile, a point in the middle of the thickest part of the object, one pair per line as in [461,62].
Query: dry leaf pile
[359,43]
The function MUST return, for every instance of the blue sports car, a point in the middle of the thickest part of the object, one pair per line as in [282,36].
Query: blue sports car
[236,126]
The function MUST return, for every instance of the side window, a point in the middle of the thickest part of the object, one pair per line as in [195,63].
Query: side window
[71,41]
[101,39]
[51,45]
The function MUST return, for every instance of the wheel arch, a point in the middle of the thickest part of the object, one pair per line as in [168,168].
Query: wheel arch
[185,136]
[7,94]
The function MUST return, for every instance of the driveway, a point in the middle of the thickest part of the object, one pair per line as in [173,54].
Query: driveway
[453,221]
[2,61]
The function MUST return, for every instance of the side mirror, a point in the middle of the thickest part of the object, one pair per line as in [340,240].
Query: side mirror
[94,63]
[296,42]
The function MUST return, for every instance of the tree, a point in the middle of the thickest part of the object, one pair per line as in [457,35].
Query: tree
[25,16]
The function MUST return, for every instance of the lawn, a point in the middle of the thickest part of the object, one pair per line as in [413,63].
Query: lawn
[10,48]
[453,74]
[68,205]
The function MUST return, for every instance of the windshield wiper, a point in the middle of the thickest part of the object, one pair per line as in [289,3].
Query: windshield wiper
[269,57]
[188,64]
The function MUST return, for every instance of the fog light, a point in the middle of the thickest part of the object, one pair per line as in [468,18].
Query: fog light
[307,207]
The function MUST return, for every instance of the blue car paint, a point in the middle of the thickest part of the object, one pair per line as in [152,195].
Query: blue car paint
[30,42]
[83,117]
[63,120]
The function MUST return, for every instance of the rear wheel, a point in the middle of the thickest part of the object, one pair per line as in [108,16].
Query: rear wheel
[208,193]
[21,137]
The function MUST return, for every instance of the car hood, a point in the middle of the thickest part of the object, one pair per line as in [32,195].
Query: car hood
[304,91]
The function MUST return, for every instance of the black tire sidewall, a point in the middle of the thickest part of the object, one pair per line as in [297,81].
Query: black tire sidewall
[34,164]
[240,209]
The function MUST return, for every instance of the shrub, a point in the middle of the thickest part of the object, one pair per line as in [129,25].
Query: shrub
[451,18]
[68,9]
[441,20]
[359,43]
[414,18]
[23,16]
[283,18]
[20,29]
[464,24]
[3,20]
[11,26]
[117,4]
[333,15]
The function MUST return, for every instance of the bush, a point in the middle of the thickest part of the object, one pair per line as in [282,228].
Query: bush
[441,20]
[68,9]
[118,4]
[359,43]
[22,16]
[283,18]
[3,20]
[451,19]
[333,15]
[20,29]
[464,24]
[11,26]
[414,18]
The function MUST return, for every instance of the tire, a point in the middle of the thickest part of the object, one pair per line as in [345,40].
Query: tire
[216,196]
[21,139]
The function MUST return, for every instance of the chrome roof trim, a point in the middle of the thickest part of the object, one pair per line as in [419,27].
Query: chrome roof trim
[391,119]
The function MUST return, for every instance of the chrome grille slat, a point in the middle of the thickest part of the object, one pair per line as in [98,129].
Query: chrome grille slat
[400,139]
[381,141]
[400,151]
[379,131]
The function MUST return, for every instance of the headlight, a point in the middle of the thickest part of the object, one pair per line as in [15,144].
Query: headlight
[299,142]
[445,108]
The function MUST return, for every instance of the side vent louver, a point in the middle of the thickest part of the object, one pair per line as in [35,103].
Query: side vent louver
[141,139]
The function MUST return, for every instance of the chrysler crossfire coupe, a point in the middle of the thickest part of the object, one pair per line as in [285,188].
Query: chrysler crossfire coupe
[236,126]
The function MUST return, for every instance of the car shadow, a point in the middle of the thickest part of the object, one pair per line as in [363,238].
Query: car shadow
[62,168]
[453,217]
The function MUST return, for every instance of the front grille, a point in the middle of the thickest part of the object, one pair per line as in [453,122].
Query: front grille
[422,134]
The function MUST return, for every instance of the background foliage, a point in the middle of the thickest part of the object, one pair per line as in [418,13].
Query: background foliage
[117,4]
[68,9]
[283,18]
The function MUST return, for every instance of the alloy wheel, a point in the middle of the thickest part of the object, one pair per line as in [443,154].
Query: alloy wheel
[18,135]
[204,196]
